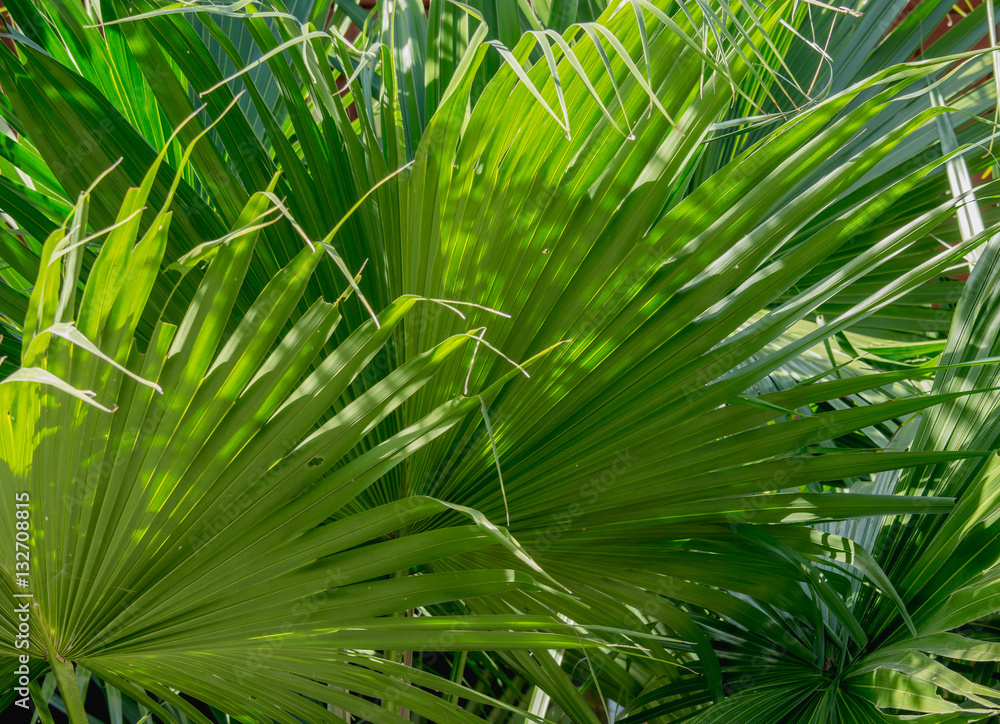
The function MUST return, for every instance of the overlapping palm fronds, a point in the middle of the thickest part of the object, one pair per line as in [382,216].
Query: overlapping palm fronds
[657,256]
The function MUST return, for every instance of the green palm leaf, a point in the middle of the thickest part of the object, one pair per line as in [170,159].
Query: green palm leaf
[657,274]
[210,479]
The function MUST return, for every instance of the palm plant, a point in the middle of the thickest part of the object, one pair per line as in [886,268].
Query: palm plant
[242,395]
[279,490]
